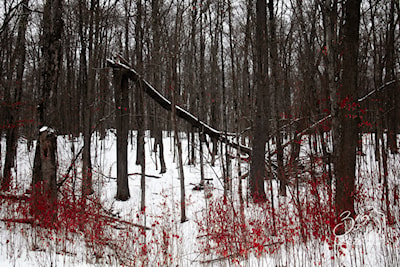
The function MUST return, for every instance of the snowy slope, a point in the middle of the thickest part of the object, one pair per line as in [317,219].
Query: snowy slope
[170,242]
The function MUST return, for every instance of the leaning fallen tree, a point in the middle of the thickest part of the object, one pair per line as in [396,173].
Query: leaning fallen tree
[120,63]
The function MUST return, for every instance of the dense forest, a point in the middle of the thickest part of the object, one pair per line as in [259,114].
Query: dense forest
[239,78]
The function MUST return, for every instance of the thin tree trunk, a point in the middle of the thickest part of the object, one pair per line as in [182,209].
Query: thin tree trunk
[224,105]
[179,152]
[277,85]
[157,80]
[214,81]
[139,104]
[13,114]
[140,112]
[174,88]
[85,89]
[201,106]
[393,113]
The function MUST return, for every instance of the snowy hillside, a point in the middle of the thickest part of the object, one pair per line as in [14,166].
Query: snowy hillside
[293,231]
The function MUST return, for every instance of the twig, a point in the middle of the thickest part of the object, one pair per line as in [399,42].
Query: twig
[131,174]
[112,219]
[236,254]
[147,175]
[380,88]
[66,175]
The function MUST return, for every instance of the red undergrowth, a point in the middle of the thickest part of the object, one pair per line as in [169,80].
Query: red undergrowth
[259,229]
[71,223]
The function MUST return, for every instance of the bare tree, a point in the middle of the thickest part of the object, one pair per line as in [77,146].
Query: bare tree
[347,133]
[140,111]
[13,114]
[45,169]
[86,89]
[260,128]
[157,128]
[121,83]
[390,66]
[277,85]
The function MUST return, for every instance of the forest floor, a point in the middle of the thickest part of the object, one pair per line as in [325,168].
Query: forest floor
[295,230]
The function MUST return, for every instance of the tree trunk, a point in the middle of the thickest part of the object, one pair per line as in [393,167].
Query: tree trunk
[348,132]
[225,161]
[277,85]
[13,114]
[122,122]
[45,176]
[139,104]
[45,168]
[157,80]
[214,81]
[390,67]
[85,89]
[175,88]
[140,111]
[260,130]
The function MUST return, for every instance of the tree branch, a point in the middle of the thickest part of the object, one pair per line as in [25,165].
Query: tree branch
[380,88]
[121,63]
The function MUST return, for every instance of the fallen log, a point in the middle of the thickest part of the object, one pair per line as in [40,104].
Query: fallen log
[119,62]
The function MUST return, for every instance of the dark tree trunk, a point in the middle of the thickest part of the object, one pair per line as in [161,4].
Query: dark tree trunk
[348,131]
[156,22]
[390,67]
[224,104]
[174,85]
[13,114]
[86,91]
[139,104]
[159,142]
[214,81]
[277,85]
[260,131]
[140,110]
[122,122]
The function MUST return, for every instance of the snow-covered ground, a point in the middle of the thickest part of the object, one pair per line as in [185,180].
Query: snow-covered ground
[170,242]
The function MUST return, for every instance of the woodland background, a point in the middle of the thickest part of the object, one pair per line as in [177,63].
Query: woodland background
[263,73]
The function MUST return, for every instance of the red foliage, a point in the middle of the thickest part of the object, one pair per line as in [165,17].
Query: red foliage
[73,219]
[229,233]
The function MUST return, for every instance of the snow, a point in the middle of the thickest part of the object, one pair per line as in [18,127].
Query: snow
[46,128]
[368,246]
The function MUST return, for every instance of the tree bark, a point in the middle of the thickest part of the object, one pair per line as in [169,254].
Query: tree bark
[139,104]
[45,168]
[122,122]
[86,91]
[277,85]
[348,131]
[260,130]
[174,86]
[45,177]
[390,66]
[140,110]
[156,22]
